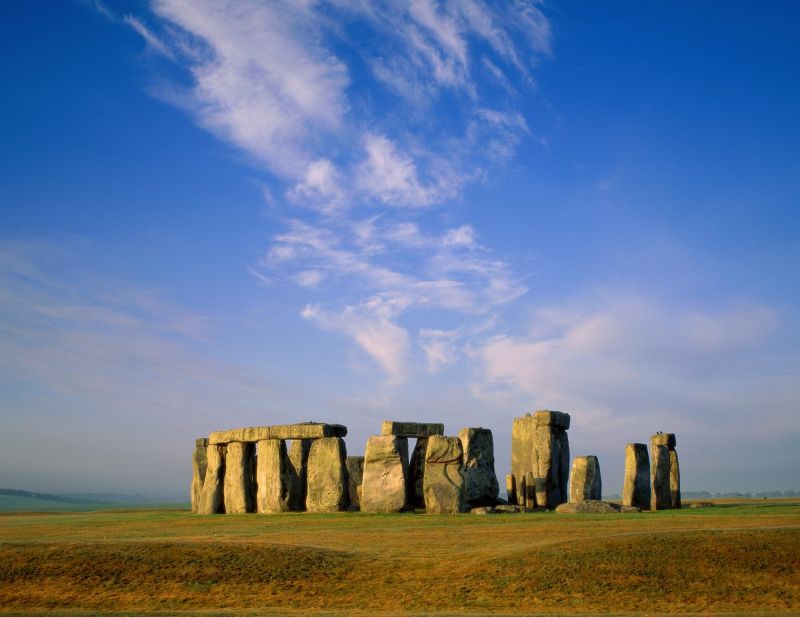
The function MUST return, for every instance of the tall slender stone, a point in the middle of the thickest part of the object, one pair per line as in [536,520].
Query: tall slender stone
[539,444]
[212,497]
[522,489]
[585,482]
[511,489]
[298,467]
[327,489]
[674,480]
[199,466]
[416,473]
[273,477]
[239,474]
[355,476]
[530,491]
[444,481]
[480,480]
[660,498]
[636,487]
[563,465]
[385,482]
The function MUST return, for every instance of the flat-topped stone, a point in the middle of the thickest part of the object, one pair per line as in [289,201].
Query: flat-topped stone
[411,429]
[545,417]
[303,430]
[663,439]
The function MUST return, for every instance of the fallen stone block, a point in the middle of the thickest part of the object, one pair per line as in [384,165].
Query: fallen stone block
[589,507]
[480,481]
[483,510]
[385,481]
[585,482]
[444,482]
[506,509]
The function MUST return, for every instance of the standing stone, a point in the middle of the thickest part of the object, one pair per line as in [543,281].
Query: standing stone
[539,444]
[511,489]
[660,498]
[417,473]
[674,480]
[444,481]
[212,500]
[199,465]
[298,468]
[385,482]
[585,482]
[327,476]
[636,489]
[239,473]
[522,490]
[530,491]
[480,481]
[273,477]
[563,465]
[355,476]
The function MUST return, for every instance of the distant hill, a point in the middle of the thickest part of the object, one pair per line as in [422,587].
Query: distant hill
[17,500]
[14,492]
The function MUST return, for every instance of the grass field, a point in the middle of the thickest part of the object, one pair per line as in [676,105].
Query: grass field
[730,559]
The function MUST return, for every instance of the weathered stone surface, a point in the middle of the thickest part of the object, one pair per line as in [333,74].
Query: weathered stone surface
[355,475]
[327,489]
[660,497]
[585,481]
[506,509]
[212,497]
[522,490]
[303,430]
[522,447]
[558,419]
[444,482]
[411,429]
[298,468]
[480,480]
[530,492]
[664,439]
[674,480]
[483,510]
[274,478]
[629,509]
[416,473]
[594,506]
[636,486]
[511,488]
[199,466]
[239,487]
[385,481]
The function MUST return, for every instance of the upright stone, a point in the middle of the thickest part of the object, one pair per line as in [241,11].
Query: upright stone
[530,491]
[522,447]
[327,476]
[385,482]
[212,497]
[585,483]
[444,481]
[563,465]
[298,467]
[511,489]
[522,489]
[539,444]
[199,465]
[273,477]
[480,481]
[239,474]
[355,476]
[416,473]
[660,498]
[674,480]
[636,488]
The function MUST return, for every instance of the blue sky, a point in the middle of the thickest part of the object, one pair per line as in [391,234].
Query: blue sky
[215,214]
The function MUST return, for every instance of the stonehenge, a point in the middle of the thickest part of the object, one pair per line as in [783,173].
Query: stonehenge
[305,467]
[585,483]
[540,446]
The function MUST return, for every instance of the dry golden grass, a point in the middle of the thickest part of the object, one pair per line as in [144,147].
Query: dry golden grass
[739,559]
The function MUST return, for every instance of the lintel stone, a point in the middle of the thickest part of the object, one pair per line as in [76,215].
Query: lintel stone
[663,439]
[411,429]
[545,417]
[303,430]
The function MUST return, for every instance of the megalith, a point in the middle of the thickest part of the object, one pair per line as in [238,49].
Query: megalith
[443,484]
[636,487]
[665,476]
[416,473]
[298,467]
[585,483]
[480,481]
[355,476]
[326,489]
[239,478]
[274,478]
[522,490]
[540,445]
[212,497]
[511,489]
[199,465]
[385,482]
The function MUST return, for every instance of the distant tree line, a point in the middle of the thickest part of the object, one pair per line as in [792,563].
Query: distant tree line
[748,495]
[14,492]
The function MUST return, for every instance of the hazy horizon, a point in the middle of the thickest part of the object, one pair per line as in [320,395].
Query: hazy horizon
[233,214]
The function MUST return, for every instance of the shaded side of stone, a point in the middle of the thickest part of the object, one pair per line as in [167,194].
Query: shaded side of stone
[636,485]
[664,439]
[674,480]
[385,482]
[355,476]
[660,497]
[511,489]
[298,469]
[273,477]
[585,482]
[327,489]
[480,480]
[563,464]
[239,475]
[212,497]
[199,466]
[416,473]
[444,481]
